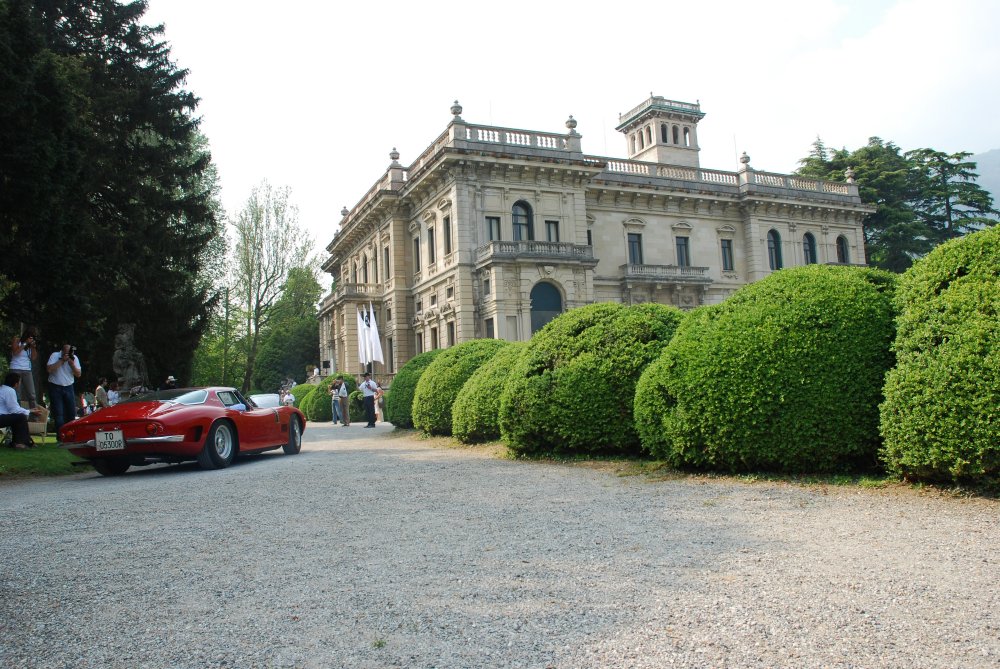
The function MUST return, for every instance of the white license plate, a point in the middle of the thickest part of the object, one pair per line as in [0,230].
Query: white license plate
[109,441]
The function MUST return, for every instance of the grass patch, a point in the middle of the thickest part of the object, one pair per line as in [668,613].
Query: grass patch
[46,459]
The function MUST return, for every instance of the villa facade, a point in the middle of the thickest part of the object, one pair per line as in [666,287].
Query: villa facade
[492,232]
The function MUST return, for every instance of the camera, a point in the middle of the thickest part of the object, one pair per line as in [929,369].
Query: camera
[26,343]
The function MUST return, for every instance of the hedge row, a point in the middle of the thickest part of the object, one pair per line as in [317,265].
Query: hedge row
[475,414]
[785,375]
[399,398]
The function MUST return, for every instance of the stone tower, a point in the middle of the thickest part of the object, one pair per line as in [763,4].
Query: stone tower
[662,131]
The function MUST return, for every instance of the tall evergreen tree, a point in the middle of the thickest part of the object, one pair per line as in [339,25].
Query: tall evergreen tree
[105,182]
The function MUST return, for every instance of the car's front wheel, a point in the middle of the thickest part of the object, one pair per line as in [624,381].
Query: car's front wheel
[111,466]
[294,444]
[220,447]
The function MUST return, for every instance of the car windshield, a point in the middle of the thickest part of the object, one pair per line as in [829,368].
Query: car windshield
[181,396]
[266,400]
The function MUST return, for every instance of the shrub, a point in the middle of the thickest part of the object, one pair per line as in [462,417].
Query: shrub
[441,382]
[399,397]
[301,392]
[939,417]
[317,406]
[356,406]
[785,375]
[571,390]
[476,409]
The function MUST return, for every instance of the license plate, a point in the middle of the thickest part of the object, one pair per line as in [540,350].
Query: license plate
[109,441]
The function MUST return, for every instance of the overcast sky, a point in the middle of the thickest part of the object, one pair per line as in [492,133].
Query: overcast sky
[314,94]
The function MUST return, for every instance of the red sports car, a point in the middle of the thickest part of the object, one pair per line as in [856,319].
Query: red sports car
[210,425]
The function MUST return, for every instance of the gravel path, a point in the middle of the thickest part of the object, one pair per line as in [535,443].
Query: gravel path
[374,550]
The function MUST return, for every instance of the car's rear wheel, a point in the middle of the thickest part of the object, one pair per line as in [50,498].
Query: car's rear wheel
[111,466]
[220,447]
[294,444]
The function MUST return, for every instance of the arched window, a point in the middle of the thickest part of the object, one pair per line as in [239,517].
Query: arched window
[774,250]
[843,256]
[677,139]
[687,137]
[633,143]
[546,304]
[524,226]
[642,144]
[364,269]
[809,248]
[663,134]
[354,272]
[649,135]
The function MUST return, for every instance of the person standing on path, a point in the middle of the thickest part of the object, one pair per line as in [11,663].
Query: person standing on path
[335,399]
[101,394]
[22,355]
[368,388]
[345,409]
[64,368]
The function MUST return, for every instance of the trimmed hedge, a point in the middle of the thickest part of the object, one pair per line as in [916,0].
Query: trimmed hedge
[940,414]
[399,397]
[443,379]
[317,406]
[785,375]
[572,388]
[475,414]
[301,392]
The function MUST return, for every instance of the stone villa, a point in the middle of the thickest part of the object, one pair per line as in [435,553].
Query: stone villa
[492,232]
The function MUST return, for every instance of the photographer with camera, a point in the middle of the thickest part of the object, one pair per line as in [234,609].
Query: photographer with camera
[22,354]
[64,369]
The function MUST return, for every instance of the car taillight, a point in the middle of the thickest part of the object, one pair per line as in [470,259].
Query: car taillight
[153,428]
[67,435]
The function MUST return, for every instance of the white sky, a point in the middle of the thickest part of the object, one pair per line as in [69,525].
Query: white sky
[314,94]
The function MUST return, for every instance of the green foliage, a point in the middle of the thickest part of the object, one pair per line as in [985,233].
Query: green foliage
[572,388]
[923,197]
[301,393]
[317,406]
[357,406]
[443,379]
[475,414]
[399,397]
[101,156]
[785,376]
[940,414]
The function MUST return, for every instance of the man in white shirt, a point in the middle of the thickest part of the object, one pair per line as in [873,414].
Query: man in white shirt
[368,388]
[12,414]
[64,369]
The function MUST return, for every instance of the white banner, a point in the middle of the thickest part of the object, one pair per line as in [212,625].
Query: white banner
[362,339]
[373,338]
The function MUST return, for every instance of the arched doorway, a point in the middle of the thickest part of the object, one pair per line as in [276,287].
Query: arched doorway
[546,304]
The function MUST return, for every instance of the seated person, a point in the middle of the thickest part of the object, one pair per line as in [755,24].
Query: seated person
[12,414]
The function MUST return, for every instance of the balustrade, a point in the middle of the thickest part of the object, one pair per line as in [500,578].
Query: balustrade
[666,273]
[532,249]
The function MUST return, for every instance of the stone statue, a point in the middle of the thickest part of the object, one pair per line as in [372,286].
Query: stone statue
[128,362]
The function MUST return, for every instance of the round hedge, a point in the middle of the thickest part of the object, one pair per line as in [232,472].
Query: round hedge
[356,406]
[940,414]
[572,388]
[474,416]
[317,406]
[443,379]
[399,397]
[300,393]
[785,375]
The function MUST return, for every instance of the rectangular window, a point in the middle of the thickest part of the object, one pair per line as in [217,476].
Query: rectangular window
[590,238]
[447,234]
[388,314]
[634,248]
[419,306]
[390,365]
[487,288]
[451,333]
[434,338]
[552,231]
[434,299]
[493,228]
[450,293]
[385,263]
[431,250]
[727,255]
[416,254]
[420,343]
[490,331]
[683,252]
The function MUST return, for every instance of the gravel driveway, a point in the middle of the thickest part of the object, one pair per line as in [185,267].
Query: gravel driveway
[374,550]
